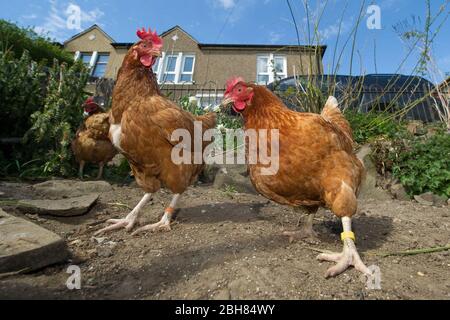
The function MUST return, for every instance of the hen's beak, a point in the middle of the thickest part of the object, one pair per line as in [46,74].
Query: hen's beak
[156,53]
[226,103]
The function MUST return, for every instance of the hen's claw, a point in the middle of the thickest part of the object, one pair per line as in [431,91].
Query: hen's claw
[154,227]
[127,224]
[347,258]
[164,224]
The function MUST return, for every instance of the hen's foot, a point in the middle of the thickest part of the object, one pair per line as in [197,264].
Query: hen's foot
[348,258]
[130,220]
[164,224]
[127,224]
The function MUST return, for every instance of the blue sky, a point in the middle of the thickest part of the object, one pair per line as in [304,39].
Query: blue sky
[246,21]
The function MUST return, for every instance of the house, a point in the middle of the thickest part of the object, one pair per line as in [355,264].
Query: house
[444,88]
[191,68]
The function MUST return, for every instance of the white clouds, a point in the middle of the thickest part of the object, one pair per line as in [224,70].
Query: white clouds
[333,30]
[56,22]
[226,4]
[274,37]
[29,16]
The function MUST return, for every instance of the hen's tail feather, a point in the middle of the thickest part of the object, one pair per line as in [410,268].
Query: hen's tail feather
[208,120]
[333,114]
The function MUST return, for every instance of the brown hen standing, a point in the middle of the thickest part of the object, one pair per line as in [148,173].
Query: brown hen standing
[142,123]
[317,166]
[91,143]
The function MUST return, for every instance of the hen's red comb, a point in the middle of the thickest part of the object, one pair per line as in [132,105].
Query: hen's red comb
[90,101]
[149,35]
[231,83]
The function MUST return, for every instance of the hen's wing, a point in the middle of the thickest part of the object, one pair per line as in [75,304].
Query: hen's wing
[97,126]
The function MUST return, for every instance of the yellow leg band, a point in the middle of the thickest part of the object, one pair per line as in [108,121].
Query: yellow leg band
[348,235]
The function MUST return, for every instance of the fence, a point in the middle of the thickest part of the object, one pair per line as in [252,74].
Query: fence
[204,95]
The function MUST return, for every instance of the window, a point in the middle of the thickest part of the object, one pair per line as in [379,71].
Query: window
[263,70]
[280,67]
[187,69]
[156,65]
[86,58]
[270,68]
[96,61]
[170,69]
[176,68]
[100,66]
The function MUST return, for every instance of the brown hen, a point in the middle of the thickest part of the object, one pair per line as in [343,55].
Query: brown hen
[142,123]
[317,166]
[91,143]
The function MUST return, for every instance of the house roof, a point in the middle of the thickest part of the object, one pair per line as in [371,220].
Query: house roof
[177,27]
[209,46]
[95,26]
[445,83]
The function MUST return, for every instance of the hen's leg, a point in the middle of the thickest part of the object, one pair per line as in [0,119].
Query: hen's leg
[100,170]
[130,220]
[305,232]
[164,223]
[81,170]
[348,257]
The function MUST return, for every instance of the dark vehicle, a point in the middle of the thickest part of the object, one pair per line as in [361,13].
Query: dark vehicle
[373,92]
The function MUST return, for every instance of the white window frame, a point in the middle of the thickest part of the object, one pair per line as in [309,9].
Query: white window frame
[271,66]
[179,66]
[182,72]
[164,71]
[96,63]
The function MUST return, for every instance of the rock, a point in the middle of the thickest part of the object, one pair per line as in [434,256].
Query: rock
[448,202]
[399,192]
[430,199]
[209,173]
[117,160]
[27,246]
[416,128]
[234,176]
[59,189]
[106,250]
[60,208]
[99,240]
[369,185]
[223,295]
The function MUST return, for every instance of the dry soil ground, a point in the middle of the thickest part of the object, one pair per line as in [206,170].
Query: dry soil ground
[230,246]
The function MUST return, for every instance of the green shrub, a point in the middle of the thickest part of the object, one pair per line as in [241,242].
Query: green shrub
[369,126]
[54,127]
[41,49]
[424,166]
[21,93]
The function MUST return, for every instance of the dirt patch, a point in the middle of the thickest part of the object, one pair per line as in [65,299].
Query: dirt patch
[230,246]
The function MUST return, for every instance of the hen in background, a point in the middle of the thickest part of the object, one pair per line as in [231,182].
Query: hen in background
[91,143]
[317,166]
[142,123]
